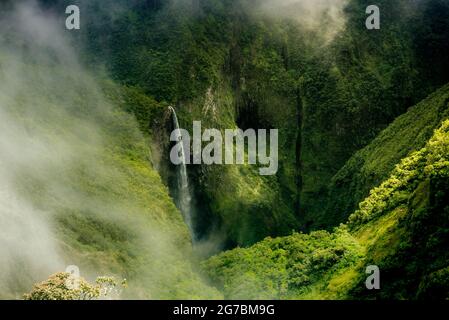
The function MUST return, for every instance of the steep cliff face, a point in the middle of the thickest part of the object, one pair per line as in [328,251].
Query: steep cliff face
[77,183]
[87,157]
[374,78]
[329,94]
[401,228]
[217,66]
[371,165]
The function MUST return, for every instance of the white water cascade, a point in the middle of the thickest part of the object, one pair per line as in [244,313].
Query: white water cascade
[184,195]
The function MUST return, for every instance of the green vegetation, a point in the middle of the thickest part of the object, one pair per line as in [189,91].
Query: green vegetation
[363,154]
[84,166]
[229,64]
[62,287]
[283,268]
[401,227]
[368,167]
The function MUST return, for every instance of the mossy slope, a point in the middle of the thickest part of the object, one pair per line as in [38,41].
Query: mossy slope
[85,168]
[402,227]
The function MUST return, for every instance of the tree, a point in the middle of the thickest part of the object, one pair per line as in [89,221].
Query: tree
[60,287]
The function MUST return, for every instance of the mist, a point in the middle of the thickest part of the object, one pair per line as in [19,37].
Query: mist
[324,18]
[28,249]
[63,170]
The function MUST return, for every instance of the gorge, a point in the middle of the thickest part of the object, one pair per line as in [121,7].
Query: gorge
[355,173]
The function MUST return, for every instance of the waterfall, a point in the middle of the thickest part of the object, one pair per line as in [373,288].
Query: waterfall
[184,196]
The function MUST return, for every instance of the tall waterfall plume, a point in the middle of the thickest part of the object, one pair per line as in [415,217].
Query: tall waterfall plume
[184,194]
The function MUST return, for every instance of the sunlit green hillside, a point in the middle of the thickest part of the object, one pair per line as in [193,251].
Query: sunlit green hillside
[401,227]
[86,118]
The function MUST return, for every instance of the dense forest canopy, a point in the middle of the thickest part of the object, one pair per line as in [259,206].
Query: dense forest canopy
[362,145]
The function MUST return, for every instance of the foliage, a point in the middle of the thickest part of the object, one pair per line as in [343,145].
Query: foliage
[349,136]
[431,160]
[327,99]
[373,164]
[402,227]
[109,211]
[283,267]
[60,287]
